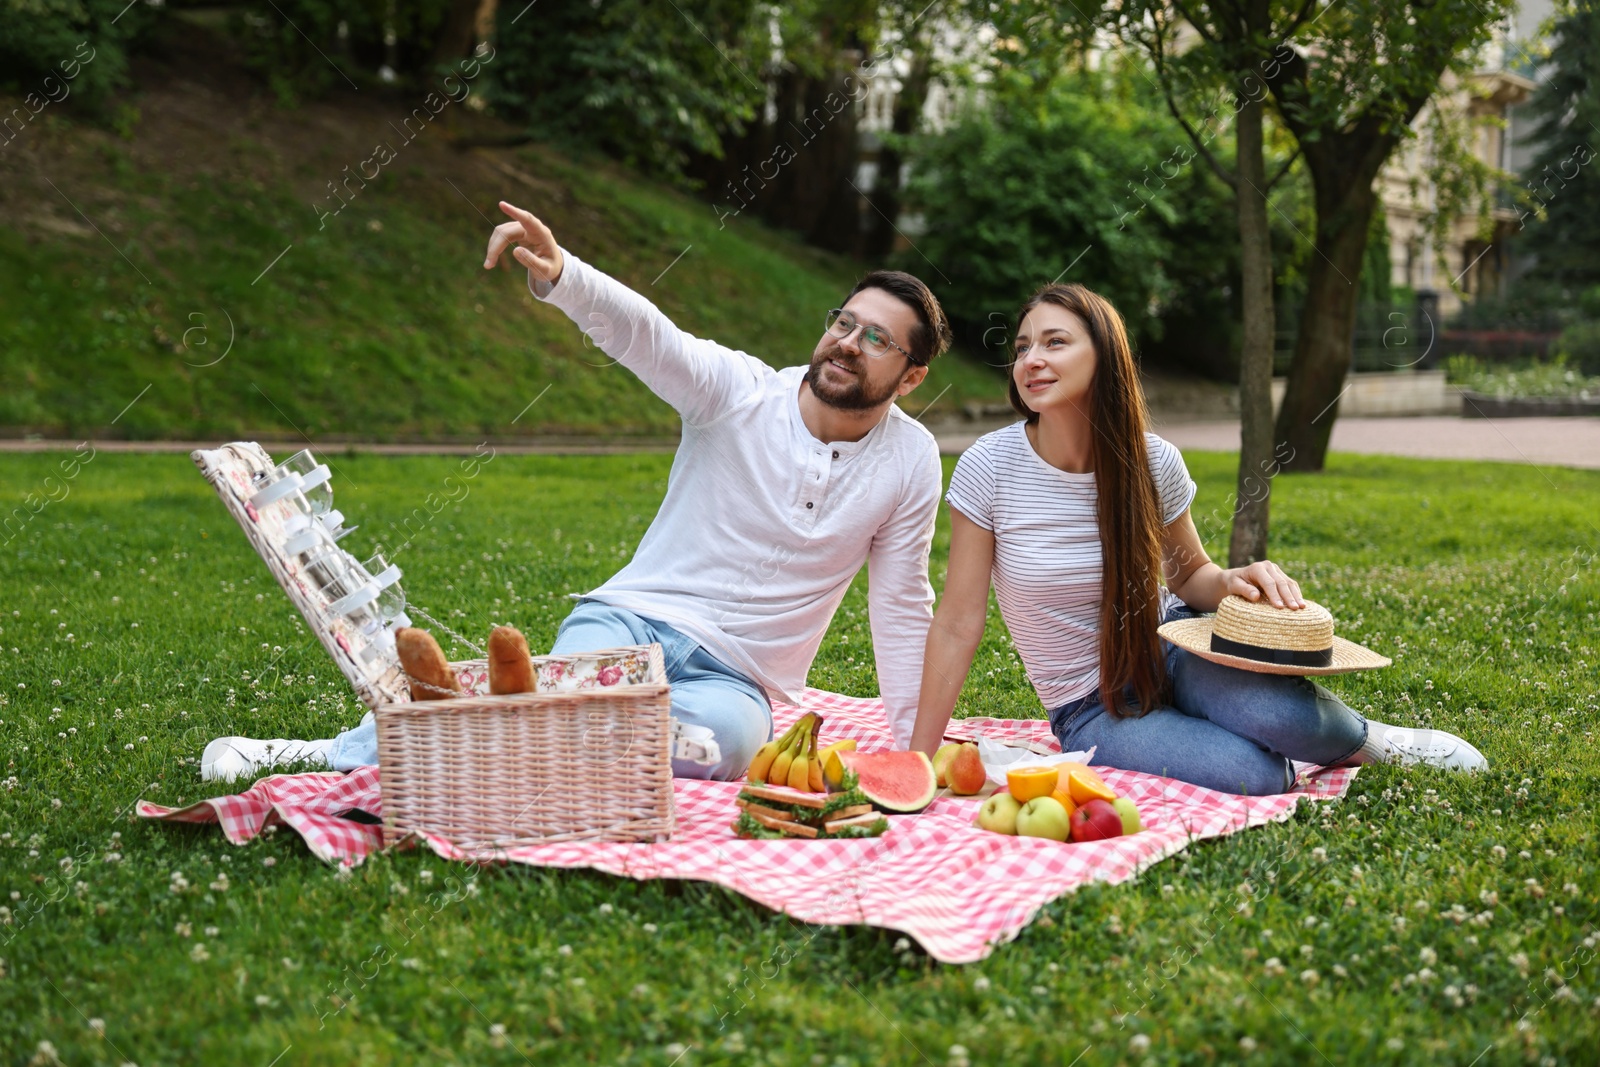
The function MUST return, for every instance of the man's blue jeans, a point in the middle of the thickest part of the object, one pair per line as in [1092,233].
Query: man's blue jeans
[1227,729]
[705,692]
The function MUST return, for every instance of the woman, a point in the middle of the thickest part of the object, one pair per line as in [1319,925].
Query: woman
[1077,513]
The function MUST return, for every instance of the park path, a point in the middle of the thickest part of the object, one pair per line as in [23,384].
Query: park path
[1561,442]
[1553,442]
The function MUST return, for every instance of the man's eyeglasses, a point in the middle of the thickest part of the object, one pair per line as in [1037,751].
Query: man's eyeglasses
[875,340]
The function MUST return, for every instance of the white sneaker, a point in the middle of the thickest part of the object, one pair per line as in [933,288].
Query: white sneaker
[229,758]
[1436,748]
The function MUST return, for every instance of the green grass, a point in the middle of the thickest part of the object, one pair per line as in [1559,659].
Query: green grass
[136,625]
[383,325]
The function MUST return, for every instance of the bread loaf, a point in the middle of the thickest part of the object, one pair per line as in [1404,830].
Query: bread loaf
[510,665]
[428,672]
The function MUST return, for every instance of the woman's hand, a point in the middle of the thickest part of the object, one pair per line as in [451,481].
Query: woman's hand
[1264,578]
[536,245]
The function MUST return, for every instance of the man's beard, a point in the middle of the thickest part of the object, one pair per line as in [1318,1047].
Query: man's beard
[852,397]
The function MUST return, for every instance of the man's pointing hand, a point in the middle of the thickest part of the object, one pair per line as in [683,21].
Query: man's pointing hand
[536,246]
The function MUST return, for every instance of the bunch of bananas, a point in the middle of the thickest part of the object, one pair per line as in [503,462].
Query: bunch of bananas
[795,760]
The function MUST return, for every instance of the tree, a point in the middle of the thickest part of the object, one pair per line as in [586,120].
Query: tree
[55,50]
[1238,42]
[1564,178]
[655,85]
[1348,89]
[793,166]
[1032,185]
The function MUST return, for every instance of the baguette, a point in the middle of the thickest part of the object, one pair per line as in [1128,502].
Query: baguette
[510,665]
[427,671]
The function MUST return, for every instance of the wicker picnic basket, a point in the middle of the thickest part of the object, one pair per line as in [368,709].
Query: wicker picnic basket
[586,756]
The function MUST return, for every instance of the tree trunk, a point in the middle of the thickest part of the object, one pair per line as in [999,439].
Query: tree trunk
[879,235]
[458,33]
[1248,542]
[1322,351]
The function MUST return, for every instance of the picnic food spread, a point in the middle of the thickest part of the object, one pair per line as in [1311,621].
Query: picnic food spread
[800,788]
[1061,802]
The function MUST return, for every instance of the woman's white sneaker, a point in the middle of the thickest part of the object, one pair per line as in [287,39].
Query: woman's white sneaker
[230,758]
[1435,748]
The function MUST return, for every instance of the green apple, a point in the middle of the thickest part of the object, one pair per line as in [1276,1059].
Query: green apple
[1130,815]
[999,813]
[1044,817]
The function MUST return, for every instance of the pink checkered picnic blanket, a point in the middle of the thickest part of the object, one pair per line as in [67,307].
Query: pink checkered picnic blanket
[958,890]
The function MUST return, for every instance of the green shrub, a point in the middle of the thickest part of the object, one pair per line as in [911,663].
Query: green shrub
[1078,181]
[55,50]
[643,82]
[1579,344]
[1560,377]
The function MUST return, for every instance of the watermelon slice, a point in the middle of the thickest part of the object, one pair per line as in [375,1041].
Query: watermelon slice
[898,782]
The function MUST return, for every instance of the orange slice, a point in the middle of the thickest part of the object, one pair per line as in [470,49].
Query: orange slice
[1083,783]
[1029,783]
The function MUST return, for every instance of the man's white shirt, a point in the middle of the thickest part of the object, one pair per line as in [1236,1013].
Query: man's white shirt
[764,526]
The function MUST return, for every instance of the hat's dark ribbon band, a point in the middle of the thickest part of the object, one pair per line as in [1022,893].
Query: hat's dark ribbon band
[1288,657]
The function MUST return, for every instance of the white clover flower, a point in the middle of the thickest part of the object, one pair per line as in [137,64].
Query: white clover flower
[1139,1043]
[981,984]
[564,950]
[199,953]
[1273,968]
[1428,956]
[1247,1044]
[1309,977]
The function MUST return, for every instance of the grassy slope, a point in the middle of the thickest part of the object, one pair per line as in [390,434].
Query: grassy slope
[381,325]
[140,599]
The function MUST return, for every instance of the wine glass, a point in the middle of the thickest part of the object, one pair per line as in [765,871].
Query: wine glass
[391,602]
[315,480]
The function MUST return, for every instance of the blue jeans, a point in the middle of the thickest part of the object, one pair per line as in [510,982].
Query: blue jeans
[705,692]
[1227,729]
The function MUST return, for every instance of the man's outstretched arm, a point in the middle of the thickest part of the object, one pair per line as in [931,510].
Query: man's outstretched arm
[699,378]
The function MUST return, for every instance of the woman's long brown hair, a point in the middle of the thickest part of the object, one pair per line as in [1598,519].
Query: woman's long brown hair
[1127,508]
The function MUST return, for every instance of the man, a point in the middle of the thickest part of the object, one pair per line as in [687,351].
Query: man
[784,484]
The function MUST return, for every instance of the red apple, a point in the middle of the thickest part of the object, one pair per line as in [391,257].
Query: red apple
[1096,820]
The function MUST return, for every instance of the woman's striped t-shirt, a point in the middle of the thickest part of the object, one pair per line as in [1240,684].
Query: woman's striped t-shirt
[1047,559]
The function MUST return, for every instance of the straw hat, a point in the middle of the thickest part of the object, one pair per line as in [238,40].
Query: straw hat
[1269,640]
